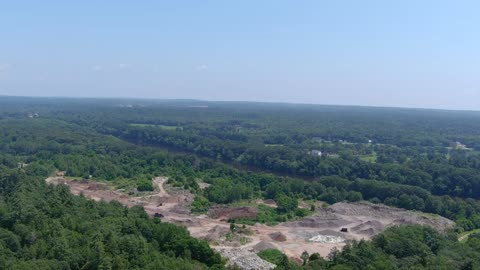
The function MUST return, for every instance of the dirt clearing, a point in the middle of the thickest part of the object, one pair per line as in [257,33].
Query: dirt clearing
[330,227]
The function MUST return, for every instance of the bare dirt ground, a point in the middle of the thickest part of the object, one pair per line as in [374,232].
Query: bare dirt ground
[328,228]
[224,212]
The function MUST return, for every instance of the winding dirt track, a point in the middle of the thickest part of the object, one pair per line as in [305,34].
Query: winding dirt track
[158,182]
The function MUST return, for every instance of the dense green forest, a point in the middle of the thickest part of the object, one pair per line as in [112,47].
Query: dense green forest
[401,157]
[45,227]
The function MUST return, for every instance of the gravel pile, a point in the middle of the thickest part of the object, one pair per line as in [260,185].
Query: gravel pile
[245,259]
[278,236]
[330,239]
[216,233]
[384,212]
[262,245]
[220,211]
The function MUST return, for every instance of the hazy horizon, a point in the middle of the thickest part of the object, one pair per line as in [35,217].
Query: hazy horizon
[235,101]
[413,54]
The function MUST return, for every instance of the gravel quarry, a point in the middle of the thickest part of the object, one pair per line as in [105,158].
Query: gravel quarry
[329,228]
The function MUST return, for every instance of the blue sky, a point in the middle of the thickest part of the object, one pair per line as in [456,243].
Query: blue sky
[383,53]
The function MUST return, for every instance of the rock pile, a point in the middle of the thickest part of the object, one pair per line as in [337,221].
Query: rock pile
[245,259]
[278,236]
[262,245]
[330,239]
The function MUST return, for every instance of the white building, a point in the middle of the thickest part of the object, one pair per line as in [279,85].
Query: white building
[316,153]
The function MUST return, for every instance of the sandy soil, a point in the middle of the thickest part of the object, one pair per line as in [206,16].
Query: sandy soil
[358,220]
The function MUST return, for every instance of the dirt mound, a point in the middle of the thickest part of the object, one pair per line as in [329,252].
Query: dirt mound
[365,209]
[375,224]
[180,209]
[436,222]
[269,202]
[278,236]
[323,221]
[331,232]
[262,245]
[218,229]
[380,216]
[95,185]
[186,222]
[368,232]
[369,228]
[216,233]
[232,212]
[306,235]
[55,181]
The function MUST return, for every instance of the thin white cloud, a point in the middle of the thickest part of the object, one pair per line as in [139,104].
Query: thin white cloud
[201,67]
[123,66]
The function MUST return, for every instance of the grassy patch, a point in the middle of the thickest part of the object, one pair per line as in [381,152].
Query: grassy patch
[200,205]
[75,178]
[464,235]
[273,145]
[271,255]
[429,215]
[158,126]
[369,158]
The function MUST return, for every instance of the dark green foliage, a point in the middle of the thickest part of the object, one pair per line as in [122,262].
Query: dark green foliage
[398,242]
[145,185]
[406,247]
[286,204]
[222,191]
[200,204]
[187,183]
[45,227]
[305,257]
[274,256]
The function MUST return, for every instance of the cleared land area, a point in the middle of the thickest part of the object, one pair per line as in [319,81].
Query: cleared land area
[330,227]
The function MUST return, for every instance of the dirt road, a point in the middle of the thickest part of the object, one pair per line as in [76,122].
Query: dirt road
[158,183]
[464,236]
